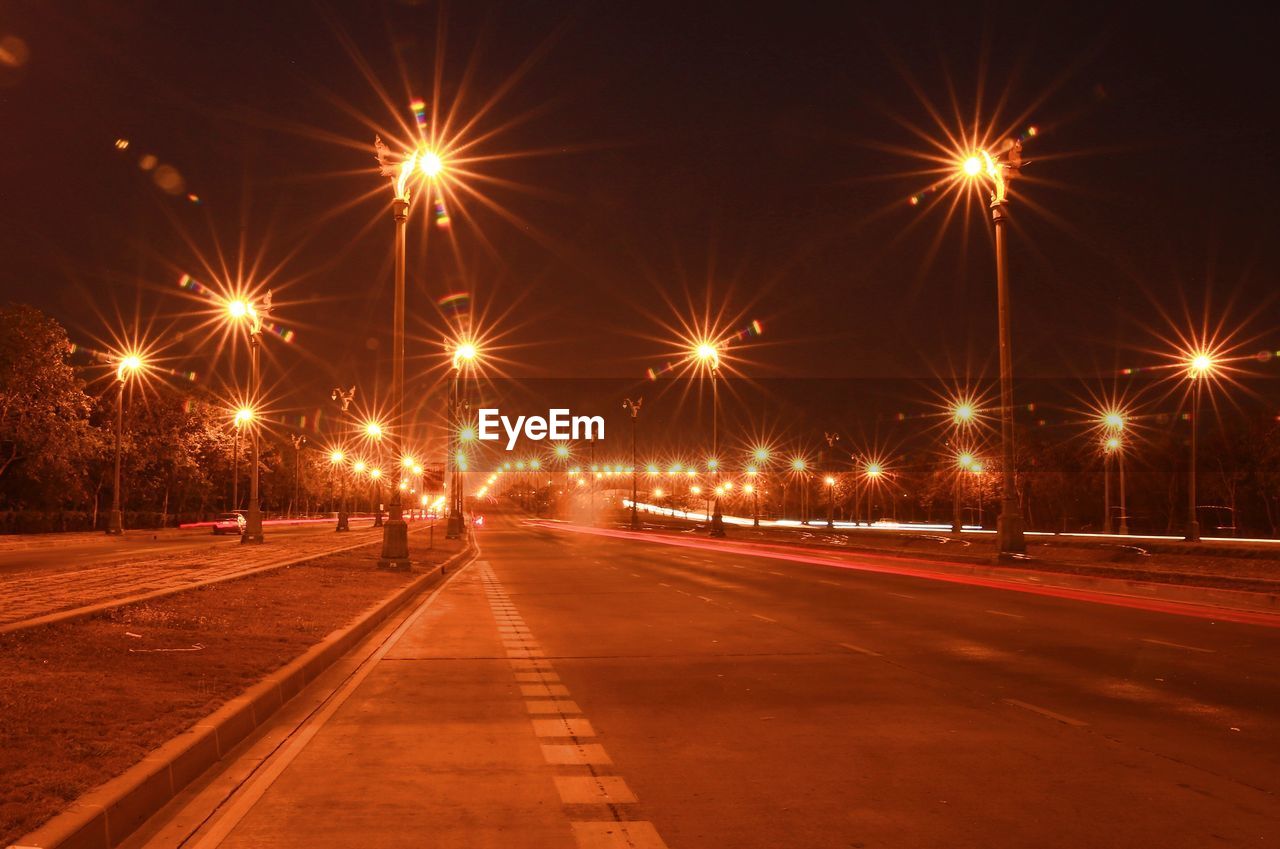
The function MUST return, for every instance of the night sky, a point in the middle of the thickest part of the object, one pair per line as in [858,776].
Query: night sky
[674,159]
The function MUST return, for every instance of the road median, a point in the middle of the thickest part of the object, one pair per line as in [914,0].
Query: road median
[176,673]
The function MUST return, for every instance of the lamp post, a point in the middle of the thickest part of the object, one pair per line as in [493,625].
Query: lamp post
[633,407]
[962,415]
[373,432]
[799,469]
[299,440]
[832,439]
[830,481]
[337,459]
[761,457]
[1010,536]
[241,420]
[253,316]
[130,365]
[464,354]
[872,472]
[343,399]
[1200,365]
[707,355]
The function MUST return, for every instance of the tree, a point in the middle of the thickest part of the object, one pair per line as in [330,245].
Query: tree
[45,434]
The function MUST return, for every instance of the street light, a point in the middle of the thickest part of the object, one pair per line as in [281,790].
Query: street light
[428,163]
[253,317]
[830,481]
[752,472]
[633,407]
[1009,526]
[707,356]
[337,462]
[1200,366]
[1112,423]
[128,367]
[799,468]
[963,414]
[373,433]
[871,471]
[463,355]
[240,419]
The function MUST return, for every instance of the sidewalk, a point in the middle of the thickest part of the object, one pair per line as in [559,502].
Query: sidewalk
[456,732]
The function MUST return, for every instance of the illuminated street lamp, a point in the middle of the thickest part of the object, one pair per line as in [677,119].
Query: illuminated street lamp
[1200,366]
[752,473]
[1009,526]
[337,464]
[707,356]
[253,318]
[830,481]
[463,355]
[1112,423]
[428,164]
[799,469]
[963,415]
[633,407]
[240,419]
[871,472]
[373,433]
[129,366]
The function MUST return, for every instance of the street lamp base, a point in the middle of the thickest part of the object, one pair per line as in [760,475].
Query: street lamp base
[395,545]
[115,523]
[717,524]
[1009,533]
[343,523]
[247,538]
[1193,531]
[454,529]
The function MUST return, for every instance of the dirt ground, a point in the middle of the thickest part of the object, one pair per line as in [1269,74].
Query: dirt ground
[82,701]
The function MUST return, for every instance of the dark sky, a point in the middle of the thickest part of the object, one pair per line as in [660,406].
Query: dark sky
[687,154]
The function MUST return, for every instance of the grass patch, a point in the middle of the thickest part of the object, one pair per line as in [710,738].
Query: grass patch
[82,701]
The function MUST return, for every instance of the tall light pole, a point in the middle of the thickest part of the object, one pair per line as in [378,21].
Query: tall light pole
[395,533]
[343,399]
[241,420]
[1010,536]
[962,415]
[338,461]
[299,440]
[832,439]
[1200,366]
[707,355]
[872,472]
[633,407]
[464,355]
[129,366]
[253,317]
[373,433]
[800,470]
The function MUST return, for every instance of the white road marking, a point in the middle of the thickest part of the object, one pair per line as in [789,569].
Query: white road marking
[860,649]
[542,677]
[900,595]
[1178,646]
[661,584]
[1046,712]
[575,754]
[1010,615]
[559,706]
[563,727]
[593,790]
[704,598]
[765,618]
[617,835]
[543,690]
[829,583]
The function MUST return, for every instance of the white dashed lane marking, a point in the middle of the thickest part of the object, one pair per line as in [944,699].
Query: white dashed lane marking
[765,618]
[1010,615]
[1078,723]
[860,649]
[579,764]
[1178,646]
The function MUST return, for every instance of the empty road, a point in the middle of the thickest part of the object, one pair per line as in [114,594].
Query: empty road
[569,689]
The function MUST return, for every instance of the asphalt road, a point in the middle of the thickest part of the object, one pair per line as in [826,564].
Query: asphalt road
[571,689]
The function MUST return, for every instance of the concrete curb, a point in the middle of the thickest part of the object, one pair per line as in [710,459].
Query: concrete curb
[101,606]
[106,815]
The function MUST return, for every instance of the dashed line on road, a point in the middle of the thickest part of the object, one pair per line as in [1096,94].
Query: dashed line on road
[860,650]
[554,716]
[900,595]
[1004,613]
[1178,646]
[765,618]
[1076,723]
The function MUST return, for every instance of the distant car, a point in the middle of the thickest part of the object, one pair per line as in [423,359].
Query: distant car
[229,523]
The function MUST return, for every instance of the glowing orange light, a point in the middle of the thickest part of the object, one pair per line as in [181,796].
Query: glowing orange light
[359,467]
[874,470]
[130,364]
[1200,364]
[973,166]
[337,457]
[966,461]
[373,430]
[829,480]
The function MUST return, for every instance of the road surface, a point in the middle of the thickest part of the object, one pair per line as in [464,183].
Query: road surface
[576,690]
